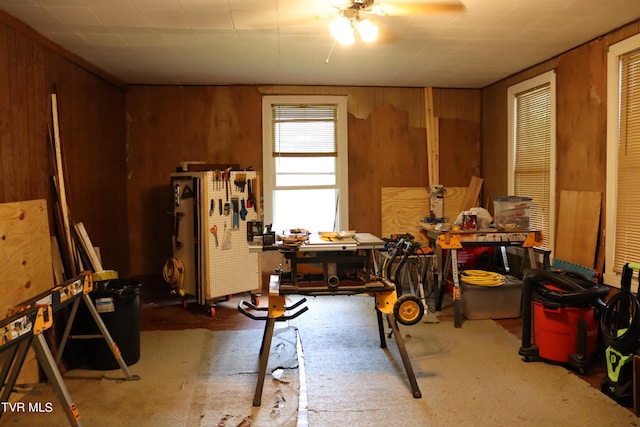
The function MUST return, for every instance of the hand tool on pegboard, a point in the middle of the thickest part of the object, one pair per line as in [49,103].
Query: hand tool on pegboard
[240,181]
[251,198]
[214,231]
[235,203]
[243,210]
[225,177]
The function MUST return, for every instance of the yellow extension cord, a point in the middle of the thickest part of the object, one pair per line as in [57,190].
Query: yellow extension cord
[173,274]
[481,278]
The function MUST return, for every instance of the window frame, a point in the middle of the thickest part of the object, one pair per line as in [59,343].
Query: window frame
[616,50]
[342,159]
[513,91]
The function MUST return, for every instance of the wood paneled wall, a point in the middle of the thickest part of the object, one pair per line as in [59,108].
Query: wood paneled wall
[92,131]
[223,124]
[581,91]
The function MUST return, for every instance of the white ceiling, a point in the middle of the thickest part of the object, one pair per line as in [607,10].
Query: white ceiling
[220,42]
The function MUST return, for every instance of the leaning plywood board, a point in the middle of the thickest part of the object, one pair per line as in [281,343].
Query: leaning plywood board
[453,202]
[472,194]
[402,209]
[25,261]
[577,230]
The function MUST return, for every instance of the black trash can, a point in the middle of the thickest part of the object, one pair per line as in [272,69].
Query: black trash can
[118,303]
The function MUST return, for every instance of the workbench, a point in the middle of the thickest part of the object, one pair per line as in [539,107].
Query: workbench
[348,268]
[452,241]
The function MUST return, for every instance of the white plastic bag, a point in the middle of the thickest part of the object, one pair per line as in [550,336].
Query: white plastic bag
[484,217]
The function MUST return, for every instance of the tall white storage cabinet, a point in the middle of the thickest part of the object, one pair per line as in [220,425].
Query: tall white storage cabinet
[208,205]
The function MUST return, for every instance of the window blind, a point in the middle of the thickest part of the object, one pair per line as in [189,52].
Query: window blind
[532,163]
[304,130]
[627,243]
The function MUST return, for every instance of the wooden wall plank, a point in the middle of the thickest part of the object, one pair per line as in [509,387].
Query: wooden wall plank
[6,142]
[387,147]
[93,129]
[460,153]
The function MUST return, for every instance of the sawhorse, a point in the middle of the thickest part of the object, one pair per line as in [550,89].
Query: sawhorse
[386,303]
[24,326]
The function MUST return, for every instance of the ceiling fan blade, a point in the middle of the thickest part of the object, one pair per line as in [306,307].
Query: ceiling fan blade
[393,8]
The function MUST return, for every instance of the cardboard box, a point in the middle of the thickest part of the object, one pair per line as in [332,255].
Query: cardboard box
[492,302]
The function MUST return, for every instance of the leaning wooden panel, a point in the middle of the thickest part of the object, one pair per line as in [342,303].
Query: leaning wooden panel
[402,208]
[577,227]
[453,202]
[25,260]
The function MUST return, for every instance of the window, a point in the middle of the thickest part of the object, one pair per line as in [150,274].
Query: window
[623,158]
[531,153]
[305,162]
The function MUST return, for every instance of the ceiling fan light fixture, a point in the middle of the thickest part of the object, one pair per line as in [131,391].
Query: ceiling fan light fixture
[368,30]
[342,30]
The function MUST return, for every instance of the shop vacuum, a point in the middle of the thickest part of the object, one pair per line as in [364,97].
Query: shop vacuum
[620,326]
[563,308]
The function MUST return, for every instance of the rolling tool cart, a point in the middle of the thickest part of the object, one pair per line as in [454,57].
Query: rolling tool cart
[211,259]
[563,309]
[620,327]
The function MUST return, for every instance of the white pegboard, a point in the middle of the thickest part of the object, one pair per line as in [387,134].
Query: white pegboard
[233,270]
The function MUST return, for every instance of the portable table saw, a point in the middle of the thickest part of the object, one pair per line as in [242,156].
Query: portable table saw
[348,267]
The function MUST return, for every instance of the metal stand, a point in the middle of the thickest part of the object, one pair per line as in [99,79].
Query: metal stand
[383,291]
[454,241]
[24,328]
[20,332]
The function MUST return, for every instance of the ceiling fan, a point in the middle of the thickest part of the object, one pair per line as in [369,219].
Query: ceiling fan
[353,15]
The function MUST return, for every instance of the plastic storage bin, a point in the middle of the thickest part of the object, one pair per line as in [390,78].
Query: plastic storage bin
[512,212]
[492,302]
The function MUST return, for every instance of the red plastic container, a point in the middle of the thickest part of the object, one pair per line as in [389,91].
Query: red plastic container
[556,331]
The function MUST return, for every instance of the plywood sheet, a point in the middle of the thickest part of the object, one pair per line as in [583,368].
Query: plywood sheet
[578,224]
[25,260]
[473,193]
[453,202]
[403,208]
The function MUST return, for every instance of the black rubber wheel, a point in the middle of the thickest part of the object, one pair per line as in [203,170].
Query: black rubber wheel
[408,309]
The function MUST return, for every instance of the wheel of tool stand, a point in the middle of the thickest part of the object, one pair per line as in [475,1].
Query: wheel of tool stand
[185,303]
[408,309]
[212,311]
[255,300]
